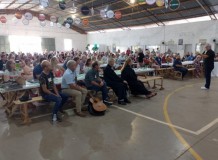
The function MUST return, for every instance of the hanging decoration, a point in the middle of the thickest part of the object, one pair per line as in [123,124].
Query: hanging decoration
[174,5]
[118,15]
[67,25]
[59,25]
[103,14]
[62,5]
[44,3]
[51,24]
[53,19]
[25,21]
[141,1]
[28,16]
[74,8]
[166,4]
[150,2]
[41,17]
[110,14]
[3,19]
[85,22]
[15,20]
[69,20]
[77,21]
[60,20]
[95,48]
[85,10]
[160,3]
[43,23]
[92,11]
[18,15]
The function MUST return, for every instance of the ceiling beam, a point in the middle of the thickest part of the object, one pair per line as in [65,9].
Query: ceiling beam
[204,9]
[10,4]
[24,4]
[144,24]
[209,9]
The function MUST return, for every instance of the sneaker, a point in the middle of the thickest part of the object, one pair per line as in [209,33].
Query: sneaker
[54,118]
[127,101]
[122,102]
[204,88]
[107,102]
[81,114]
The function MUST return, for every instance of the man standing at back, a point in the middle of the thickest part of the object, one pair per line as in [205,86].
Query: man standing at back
[208,57]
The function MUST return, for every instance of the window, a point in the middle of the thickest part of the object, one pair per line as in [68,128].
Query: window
[25,44]
[68,44]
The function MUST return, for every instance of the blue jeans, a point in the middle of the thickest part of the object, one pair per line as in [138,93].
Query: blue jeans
[103,90]
[59,101]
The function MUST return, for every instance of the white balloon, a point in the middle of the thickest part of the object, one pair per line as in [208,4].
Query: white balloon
[110,14]
[67,25]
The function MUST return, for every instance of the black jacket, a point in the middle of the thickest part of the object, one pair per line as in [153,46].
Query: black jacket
[110,76]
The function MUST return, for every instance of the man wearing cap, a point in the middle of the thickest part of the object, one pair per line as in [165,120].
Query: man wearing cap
[208,57]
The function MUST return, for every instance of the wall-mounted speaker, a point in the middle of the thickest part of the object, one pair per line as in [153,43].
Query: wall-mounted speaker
[214,40]
[163,42]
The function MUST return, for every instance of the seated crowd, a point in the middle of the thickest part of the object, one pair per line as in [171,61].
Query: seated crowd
[68,65]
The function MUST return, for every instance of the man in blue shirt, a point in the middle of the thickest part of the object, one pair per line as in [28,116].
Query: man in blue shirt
[69,87]
[177,64]
[158,59]
[38,69]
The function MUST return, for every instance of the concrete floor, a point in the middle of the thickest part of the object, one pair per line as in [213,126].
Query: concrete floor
[139,132]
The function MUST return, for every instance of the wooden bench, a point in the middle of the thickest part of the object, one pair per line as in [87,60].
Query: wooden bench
[192,70]
[146,80]
[24,108]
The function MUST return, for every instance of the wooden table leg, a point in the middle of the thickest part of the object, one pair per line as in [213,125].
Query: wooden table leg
[26,118]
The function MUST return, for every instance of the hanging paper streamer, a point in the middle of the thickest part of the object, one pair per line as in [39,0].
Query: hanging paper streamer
[166,4]
[174,5]
[44,3]
[160,3]
[92,11]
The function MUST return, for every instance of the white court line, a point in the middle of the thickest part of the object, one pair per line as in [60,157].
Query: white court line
[200,131]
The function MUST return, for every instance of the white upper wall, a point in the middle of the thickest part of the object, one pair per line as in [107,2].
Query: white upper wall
[189,32]
[79,41]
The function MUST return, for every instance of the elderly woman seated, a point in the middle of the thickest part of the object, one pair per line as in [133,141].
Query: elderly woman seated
[136,87]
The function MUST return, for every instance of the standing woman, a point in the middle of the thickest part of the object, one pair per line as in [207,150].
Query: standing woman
[136,86]
[58,71]
[141,57]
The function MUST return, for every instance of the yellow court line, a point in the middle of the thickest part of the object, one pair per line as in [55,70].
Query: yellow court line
[178,135]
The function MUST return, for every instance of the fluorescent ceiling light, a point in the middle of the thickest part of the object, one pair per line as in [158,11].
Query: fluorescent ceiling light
[199,19]
[137,27]
[175,22]
[151,26]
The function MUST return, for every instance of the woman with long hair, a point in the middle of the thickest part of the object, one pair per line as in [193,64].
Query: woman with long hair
[88,65]
[58,71]
[136,87]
